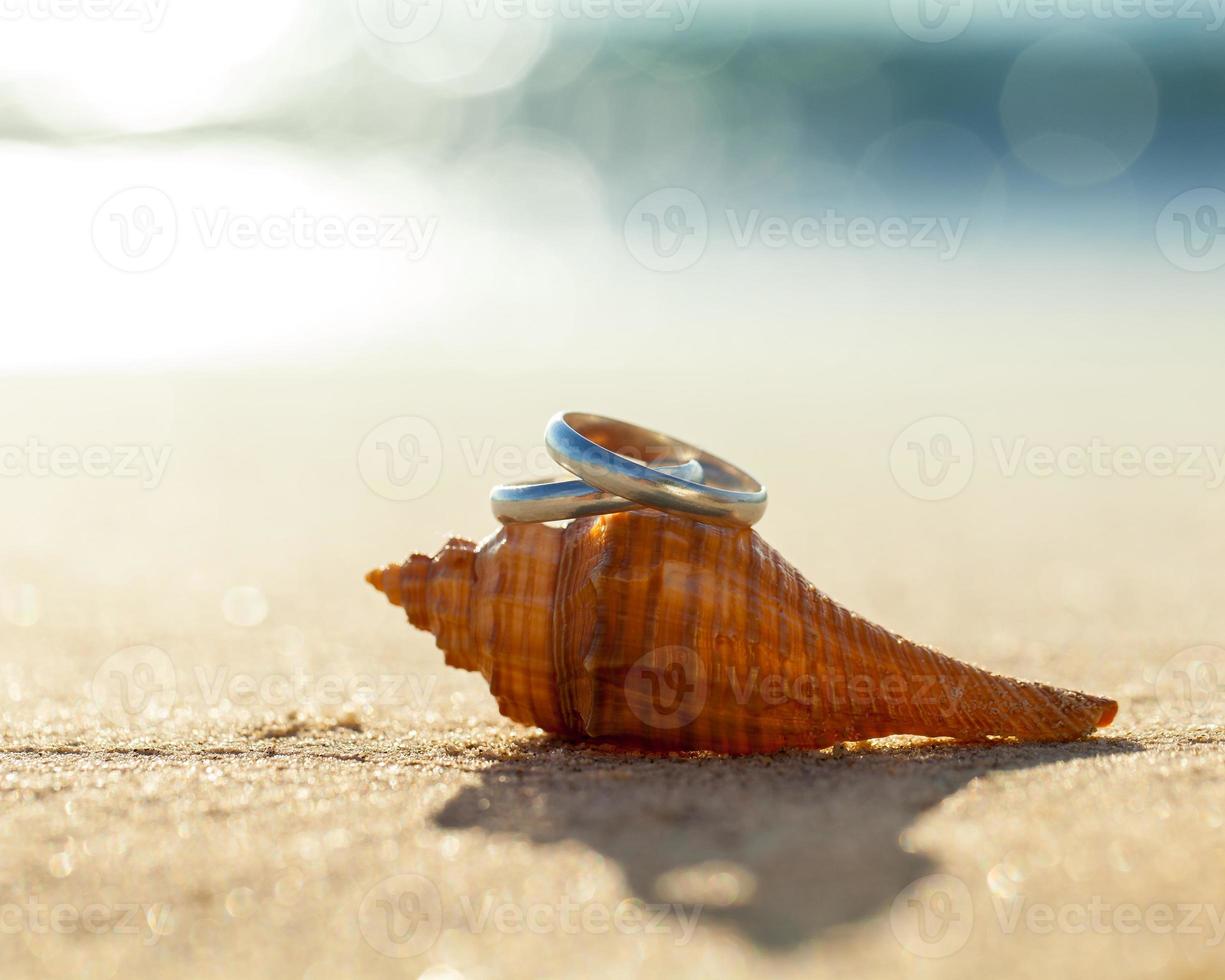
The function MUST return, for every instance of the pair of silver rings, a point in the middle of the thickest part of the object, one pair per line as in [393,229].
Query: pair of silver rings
[622,467]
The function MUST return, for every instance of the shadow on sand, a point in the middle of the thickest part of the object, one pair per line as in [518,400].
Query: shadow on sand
[817,832]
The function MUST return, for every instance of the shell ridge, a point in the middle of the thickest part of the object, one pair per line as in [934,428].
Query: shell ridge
[643,641]
[533,704]
[690,624]
[561,619]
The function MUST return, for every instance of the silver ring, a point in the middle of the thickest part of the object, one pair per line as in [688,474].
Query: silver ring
[592,447]
[534,503]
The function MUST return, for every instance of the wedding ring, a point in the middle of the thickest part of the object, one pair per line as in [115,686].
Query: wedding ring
[533,503]
[594,448]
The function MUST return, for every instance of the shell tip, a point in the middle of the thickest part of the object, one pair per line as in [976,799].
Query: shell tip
[405,586]
[1109,710]
[378,577]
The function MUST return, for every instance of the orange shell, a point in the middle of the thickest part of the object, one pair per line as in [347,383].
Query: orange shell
[671,634]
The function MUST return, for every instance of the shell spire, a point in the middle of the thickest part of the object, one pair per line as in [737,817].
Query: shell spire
[668,633]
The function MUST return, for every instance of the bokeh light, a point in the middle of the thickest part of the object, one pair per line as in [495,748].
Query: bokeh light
[1079,107]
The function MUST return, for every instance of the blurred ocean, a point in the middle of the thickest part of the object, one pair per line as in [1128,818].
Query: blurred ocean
[694,183]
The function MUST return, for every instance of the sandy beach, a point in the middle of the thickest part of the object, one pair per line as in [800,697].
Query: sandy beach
[296,787]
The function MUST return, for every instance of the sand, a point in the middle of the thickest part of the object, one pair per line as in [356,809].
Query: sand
[309,793]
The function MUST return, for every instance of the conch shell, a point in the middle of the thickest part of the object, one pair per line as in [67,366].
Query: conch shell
[669,634]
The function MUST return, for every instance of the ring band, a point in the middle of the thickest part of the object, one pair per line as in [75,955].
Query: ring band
[534,503]
[591,447]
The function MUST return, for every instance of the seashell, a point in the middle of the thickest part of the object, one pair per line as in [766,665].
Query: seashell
[670,634]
